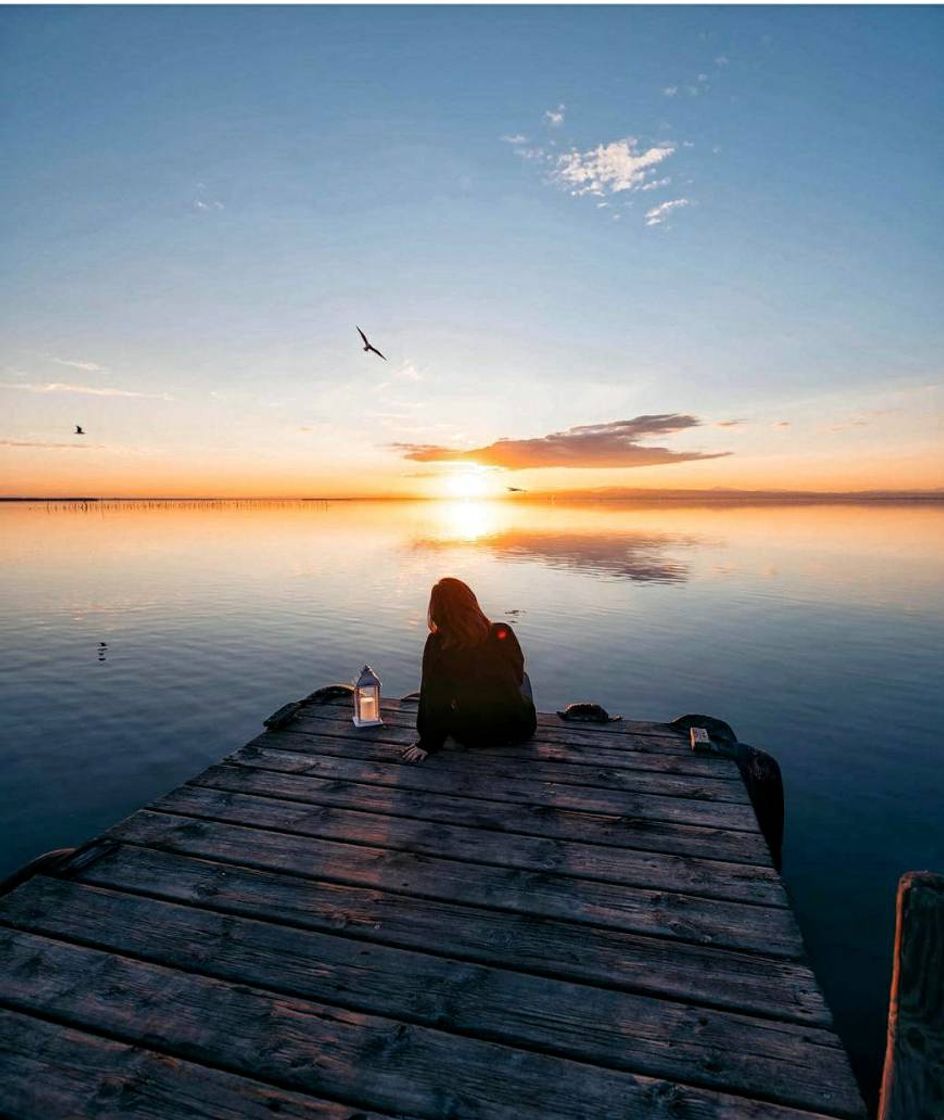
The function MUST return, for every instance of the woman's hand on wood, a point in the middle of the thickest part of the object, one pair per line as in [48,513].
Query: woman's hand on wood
[413,753]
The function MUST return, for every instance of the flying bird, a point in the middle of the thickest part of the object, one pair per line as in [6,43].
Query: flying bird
[367,345]
[516,489]
[79,430]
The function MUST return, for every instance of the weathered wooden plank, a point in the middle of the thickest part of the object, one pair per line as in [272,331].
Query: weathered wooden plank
[540,820]
[785,1063]
[53,1072]
[913,1079]
[526,764]
[623,730]
[550,729]
[654,870]
[313,1047]
[763,929]
[571,744]
[518,789]
[700,975]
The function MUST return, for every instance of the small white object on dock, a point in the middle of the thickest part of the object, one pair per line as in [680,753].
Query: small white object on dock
[700,739]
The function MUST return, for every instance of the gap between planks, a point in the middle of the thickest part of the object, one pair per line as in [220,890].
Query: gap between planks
[576,747]
[756,985]
[544,821]
[515,762]
[625,748]
[308,1045]
[281,751]
[54,1070]
[572,859]
[767,930]
[764,1060]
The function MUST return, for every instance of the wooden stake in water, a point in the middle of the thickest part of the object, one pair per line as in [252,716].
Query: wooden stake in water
[913,1080]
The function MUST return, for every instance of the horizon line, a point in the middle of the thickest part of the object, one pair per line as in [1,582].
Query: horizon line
[602,494]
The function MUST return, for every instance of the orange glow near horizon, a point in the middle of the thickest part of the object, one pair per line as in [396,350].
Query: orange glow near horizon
[267,472]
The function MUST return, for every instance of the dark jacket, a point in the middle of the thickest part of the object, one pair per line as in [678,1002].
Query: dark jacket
[474,693]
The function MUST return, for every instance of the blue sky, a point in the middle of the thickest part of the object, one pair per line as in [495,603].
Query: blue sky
[201,203]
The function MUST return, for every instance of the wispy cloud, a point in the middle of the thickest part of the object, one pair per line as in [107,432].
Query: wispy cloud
[77,446]
[609,168]
[85,390]
[658,214]
[516,138]
[722,60]
[670,91]
[529,153]
[783,424]
[858,422]
[730,423]
[615,444]
[204,201]
[555,117]
[656,184]
[88,367]
[408,372]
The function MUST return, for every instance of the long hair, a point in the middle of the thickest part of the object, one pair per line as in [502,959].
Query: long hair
[454,612]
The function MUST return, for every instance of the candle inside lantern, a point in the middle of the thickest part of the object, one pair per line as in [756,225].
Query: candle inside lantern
[367,699]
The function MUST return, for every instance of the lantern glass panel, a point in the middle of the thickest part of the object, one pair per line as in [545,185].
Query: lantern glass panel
[367,698]
[369,706]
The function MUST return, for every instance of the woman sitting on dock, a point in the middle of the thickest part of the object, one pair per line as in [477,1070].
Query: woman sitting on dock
[474,686]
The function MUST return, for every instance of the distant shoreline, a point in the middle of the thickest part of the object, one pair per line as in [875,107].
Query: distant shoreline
[719,497]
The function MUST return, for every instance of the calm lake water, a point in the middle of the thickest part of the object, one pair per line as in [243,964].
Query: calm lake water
[141,642]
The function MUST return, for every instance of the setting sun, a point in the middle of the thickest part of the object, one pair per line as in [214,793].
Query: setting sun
[471,483]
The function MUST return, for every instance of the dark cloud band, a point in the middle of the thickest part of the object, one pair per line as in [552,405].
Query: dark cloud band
[616,444]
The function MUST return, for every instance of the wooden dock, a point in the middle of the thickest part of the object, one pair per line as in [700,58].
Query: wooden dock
[587,926]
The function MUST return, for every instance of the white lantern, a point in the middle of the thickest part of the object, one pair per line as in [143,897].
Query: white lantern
[367,699]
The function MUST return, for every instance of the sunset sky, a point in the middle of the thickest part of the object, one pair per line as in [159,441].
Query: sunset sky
[638,247]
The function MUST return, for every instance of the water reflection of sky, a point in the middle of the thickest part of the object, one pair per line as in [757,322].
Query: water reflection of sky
[815,631]
[639,556]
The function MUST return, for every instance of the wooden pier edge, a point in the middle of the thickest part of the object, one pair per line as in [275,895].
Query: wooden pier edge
[587,926]
[913,1077]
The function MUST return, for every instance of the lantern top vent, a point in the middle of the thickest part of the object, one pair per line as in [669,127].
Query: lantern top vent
[367,677]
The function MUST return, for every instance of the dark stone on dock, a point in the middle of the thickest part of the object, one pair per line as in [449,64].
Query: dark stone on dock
[330,694]
[718,730]
[587,712]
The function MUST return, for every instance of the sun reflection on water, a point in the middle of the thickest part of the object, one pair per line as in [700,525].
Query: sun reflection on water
[468,519]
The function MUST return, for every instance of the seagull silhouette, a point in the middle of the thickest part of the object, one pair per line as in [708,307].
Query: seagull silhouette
[516,489]
[367,345]
[79,430]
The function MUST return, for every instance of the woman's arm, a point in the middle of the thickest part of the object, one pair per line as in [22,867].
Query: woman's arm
[431,719]
[510,649]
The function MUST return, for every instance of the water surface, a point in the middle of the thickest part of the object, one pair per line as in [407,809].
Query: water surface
[141,642]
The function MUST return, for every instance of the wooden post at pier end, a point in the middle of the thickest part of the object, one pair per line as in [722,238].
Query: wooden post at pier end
[913,1078]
